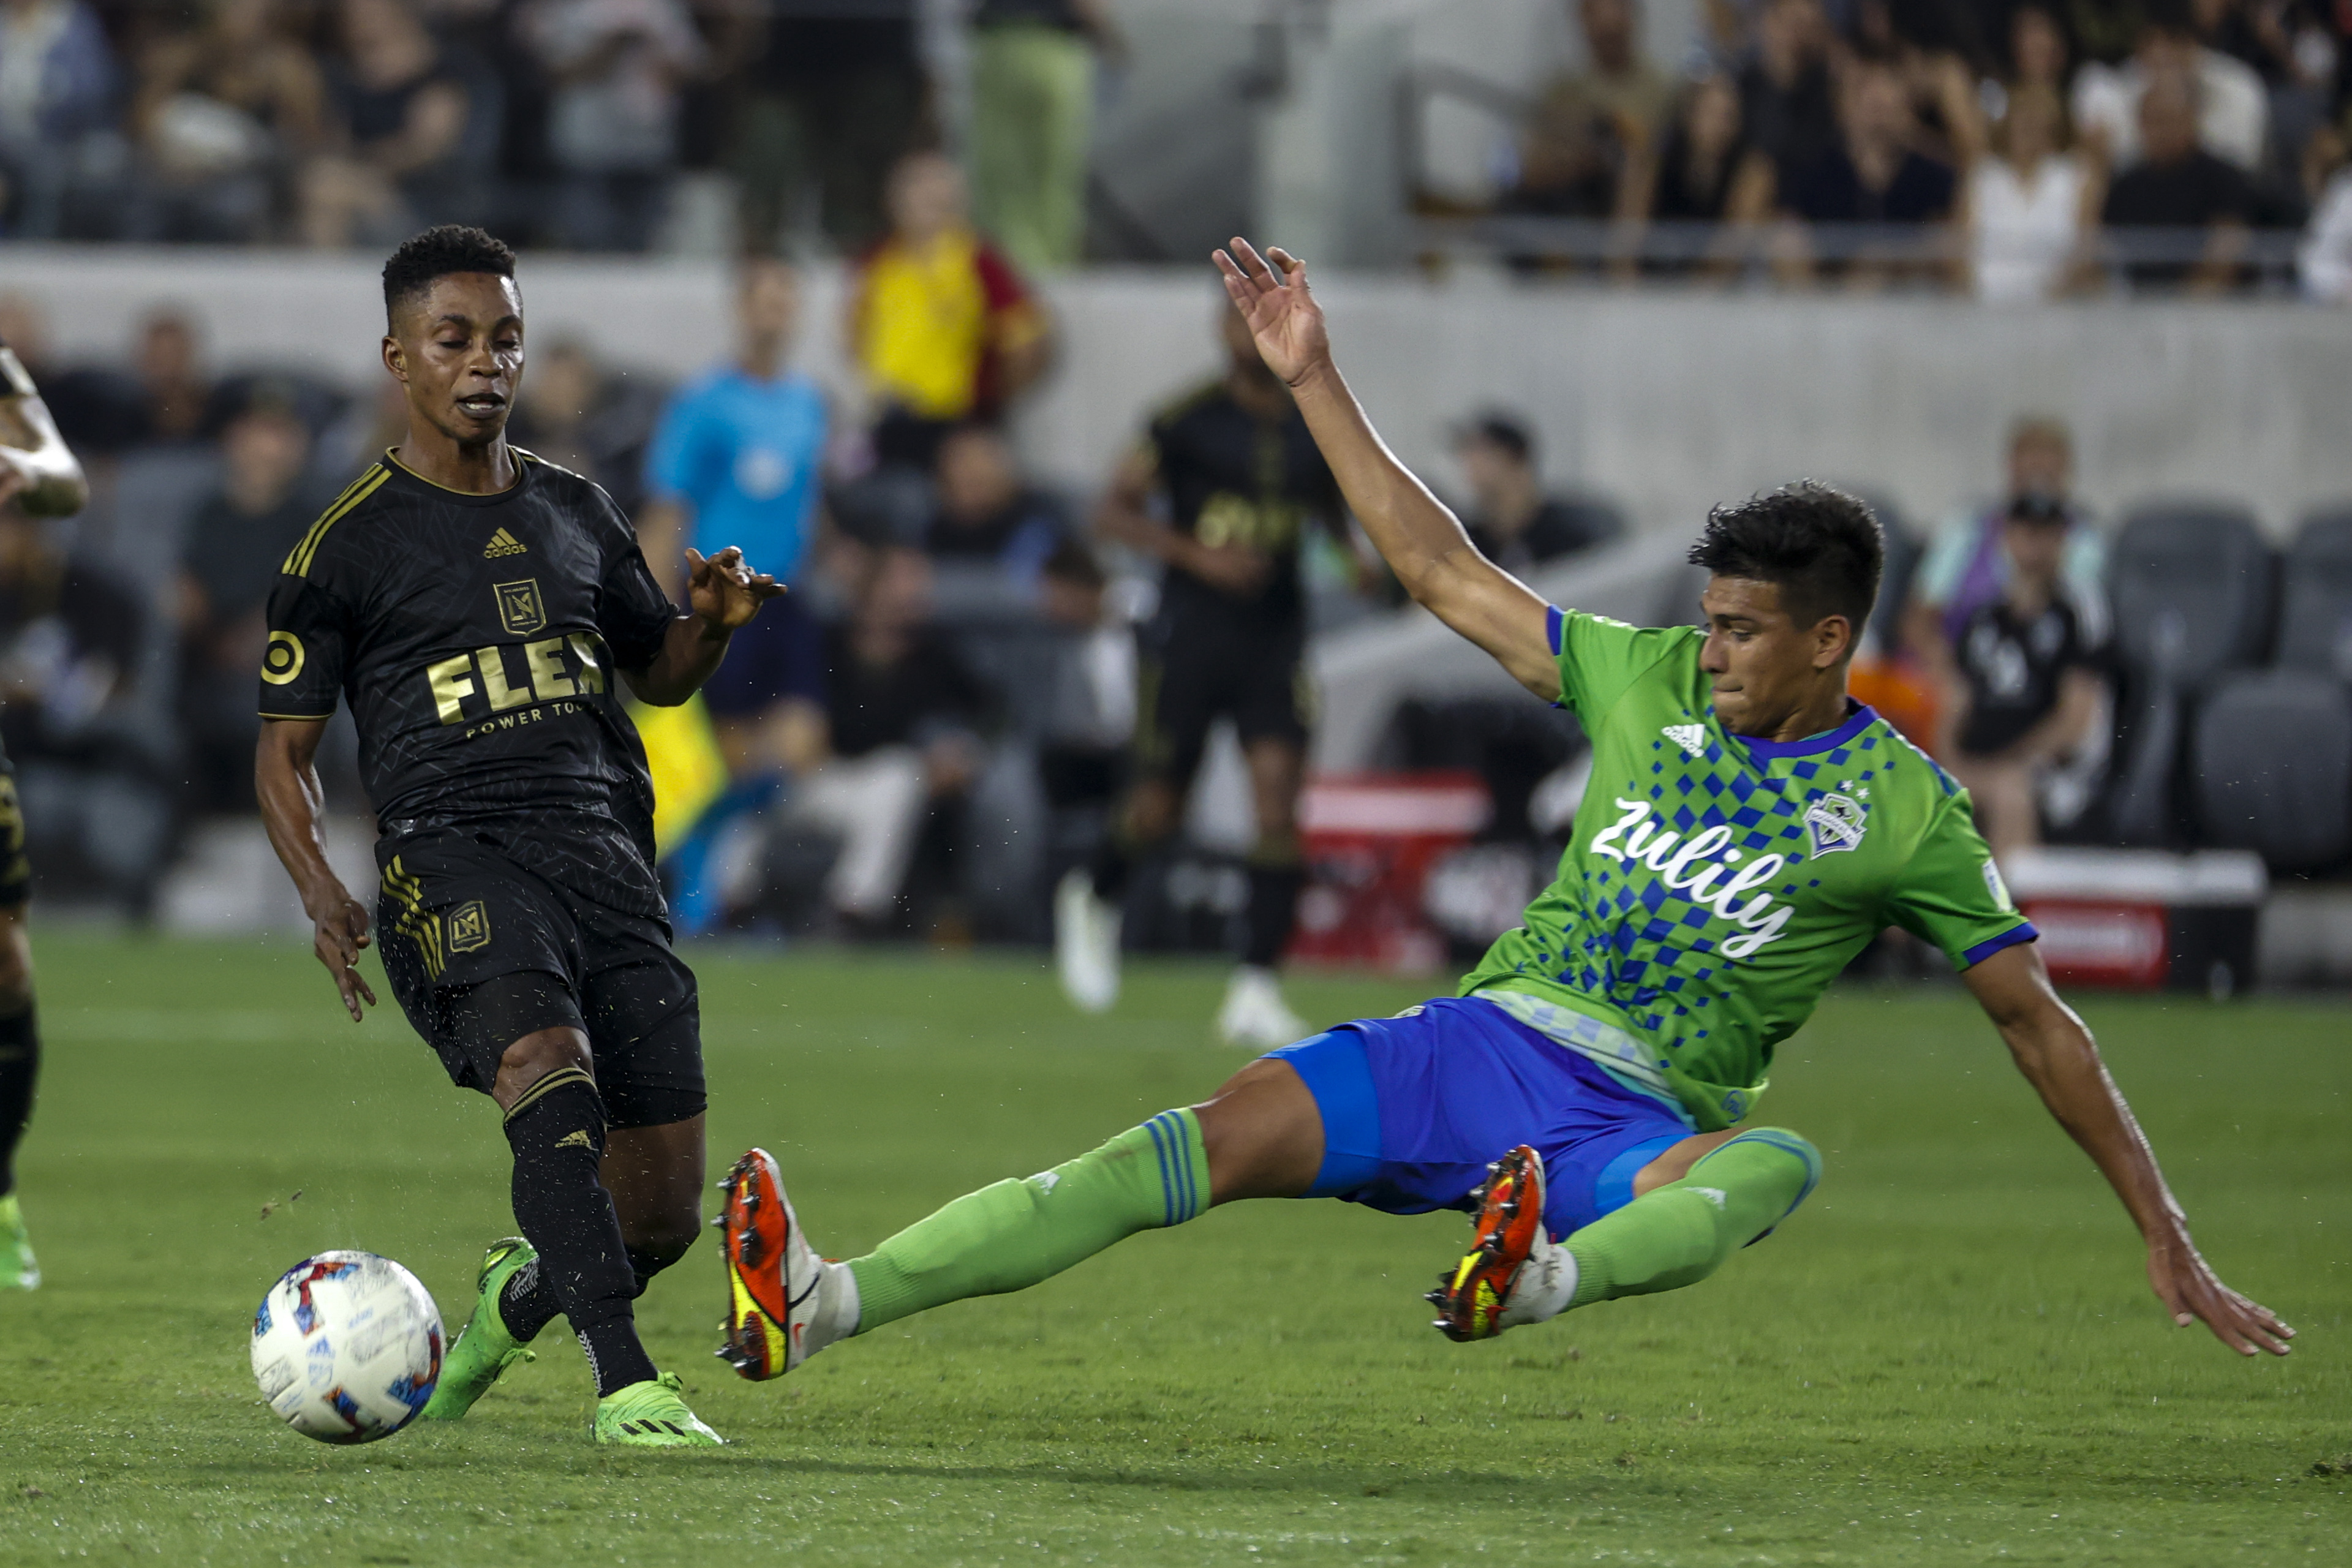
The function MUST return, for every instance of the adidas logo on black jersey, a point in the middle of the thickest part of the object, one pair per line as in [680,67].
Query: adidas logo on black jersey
[502,543]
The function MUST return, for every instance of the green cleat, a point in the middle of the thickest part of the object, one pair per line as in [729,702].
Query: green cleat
[19,1268]
[652,1416]
[483,1348]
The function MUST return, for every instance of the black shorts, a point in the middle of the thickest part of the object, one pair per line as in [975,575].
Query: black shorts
[16,871]
[1189,674]
[482,950]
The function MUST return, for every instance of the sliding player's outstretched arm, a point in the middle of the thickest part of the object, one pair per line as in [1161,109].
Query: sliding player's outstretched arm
[1423,541]
[2058,1057]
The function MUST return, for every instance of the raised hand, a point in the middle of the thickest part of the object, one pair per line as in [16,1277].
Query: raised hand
[723,592]
[1271,293]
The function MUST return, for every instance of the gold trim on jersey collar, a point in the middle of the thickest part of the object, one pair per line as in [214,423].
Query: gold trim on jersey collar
[513,451]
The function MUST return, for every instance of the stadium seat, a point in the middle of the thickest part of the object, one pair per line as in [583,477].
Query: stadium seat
[2316,624]
[2274,767]
[2192,587]
[1903,556]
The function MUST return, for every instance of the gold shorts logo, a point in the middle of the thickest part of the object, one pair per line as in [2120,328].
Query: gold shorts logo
[520,610]
[470,927]
[281,661]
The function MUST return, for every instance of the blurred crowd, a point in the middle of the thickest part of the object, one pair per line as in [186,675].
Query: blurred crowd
[2017,148]
[2021,149]
[935,725]
[926,732]
[552,123]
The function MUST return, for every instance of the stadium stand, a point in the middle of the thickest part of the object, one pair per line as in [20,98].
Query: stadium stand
[2193,586]
[2315,622]
[2273,755]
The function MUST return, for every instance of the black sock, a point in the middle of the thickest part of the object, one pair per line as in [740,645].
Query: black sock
[557,1132]
[1109,868]
[526,1305]
[1273,901]
[20,1066]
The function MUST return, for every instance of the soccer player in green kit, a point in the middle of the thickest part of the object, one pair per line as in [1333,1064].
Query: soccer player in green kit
[1588,1092]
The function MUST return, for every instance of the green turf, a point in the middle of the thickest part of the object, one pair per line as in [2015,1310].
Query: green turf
[1949,1356]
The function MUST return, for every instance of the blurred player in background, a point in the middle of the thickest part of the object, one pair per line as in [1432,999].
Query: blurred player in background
[475,604]
[738,458]
[1749,828]
[1241,482]
[40,479]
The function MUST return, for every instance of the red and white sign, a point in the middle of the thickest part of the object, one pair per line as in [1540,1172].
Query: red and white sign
[1370,840]
[2088,941]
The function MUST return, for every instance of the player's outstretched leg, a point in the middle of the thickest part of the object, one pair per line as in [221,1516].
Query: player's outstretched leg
[1674,1236]
[786,1303]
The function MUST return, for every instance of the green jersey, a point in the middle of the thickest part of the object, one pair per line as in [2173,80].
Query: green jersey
[1715,884]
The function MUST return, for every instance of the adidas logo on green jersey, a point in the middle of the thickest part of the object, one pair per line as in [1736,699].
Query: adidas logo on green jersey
[1691,738]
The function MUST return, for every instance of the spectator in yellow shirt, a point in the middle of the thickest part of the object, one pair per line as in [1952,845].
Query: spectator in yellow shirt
[941,327]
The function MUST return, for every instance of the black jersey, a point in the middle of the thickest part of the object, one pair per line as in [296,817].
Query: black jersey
[1232,478]
[478,638]
[2014,670]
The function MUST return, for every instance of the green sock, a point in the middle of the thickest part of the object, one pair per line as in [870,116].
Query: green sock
[1682,1232]
[1009,1235]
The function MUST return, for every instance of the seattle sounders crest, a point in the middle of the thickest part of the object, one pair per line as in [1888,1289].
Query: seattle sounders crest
[1836,822]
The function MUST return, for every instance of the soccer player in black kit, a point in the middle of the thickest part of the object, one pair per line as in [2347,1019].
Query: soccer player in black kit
[482,610]
[1242,482]
[40,478]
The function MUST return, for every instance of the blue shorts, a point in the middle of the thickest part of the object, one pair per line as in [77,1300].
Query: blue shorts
[779,654]
[1415,1107]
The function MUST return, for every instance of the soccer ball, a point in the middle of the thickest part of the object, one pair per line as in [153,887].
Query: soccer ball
[347,1347]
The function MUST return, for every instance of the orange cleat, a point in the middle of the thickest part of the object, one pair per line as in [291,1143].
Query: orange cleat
[772,1275]
[1471,1298]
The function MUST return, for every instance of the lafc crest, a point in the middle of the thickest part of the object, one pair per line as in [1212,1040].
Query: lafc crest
[521,609]
[1836,822]
[470,927]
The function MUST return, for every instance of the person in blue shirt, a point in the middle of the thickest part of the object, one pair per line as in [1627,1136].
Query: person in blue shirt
[737,457]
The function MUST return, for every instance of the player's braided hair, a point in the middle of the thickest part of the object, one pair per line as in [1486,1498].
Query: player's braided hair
[1821,547]
[437,253]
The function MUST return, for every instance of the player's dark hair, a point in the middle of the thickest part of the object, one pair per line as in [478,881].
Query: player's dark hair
[1821,547]
[1501,430]
[437,253]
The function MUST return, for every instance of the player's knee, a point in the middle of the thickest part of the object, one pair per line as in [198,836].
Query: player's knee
[538,1054]
[1150,817]
[1793,1145]
[657,1240]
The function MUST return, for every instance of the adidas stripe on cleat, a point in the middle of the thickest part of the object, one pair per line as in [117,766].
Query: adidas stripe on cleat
[776,1299]
[652,1416]
[1472,1297]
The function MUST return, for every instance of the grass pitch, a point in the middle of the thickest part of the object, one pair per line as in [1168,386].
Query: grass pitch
[1948,1356]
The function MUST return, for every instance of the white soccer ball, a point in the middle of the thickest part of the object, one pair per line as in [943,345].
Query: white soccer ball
[347,1347]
